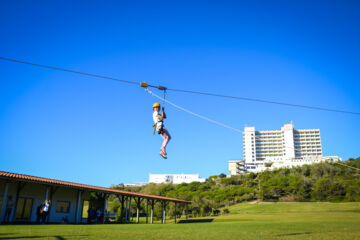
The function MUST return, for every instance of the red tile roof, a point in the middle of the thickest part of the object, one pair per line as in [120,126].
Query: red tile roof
[28,178]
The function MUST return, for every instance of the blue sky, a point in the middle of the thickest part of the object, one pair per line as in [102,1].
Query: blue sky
[95,131]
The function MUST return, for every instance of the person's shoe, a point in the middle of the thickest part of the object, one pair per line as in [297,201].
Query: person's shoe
[163,155]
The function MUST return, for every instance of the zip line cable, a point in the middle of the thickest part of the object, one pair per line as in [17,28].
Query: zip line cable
[262,101]
[181,90]
[192,113]
[68,70]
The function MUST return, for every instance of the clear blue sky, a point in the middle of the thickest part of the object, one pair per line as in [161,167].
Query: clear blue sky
[65,126]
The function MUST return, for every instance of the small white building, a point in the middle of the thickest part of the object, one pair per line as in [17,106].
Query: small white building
[175,178]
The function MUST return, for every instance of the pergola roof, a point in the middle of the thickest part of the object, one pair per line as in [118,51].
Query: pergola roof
[48,181]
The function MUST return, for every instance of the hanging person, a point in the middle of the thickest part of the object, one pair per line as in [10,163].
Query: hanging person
[160,129]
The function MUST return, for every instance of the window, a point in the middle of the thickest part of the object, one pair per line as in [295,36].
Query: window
[62,206]
[23,208]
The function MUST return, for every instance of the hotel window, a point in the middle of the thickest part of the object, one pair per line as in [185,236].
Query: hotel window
[62,207]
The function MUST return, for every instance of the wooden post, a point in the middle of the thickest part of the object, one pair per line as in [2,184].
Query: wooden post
[187,212]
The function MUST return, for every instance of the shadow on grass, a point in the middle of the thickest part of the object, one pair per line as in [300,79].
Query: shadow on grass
[197,220]
[293,234]
[47,237]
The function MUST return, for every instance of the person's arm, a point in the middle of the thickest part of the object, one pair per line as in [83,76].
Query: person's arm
[162,115]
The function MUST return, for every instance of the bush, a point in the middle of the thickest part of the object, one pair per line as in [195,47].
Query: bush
[225,211]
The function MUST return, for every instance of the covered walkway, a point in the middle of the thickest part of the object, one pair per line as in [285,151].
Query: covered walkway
[68,200]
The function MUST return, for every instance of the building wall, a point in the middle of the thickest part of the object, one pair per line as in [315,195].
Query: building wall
[236,167]
[287,132]
[249,144]
[280,148]
[275,145]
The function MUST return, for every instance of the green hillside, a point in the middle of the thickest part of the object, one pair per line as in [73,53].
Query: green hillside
[328,182]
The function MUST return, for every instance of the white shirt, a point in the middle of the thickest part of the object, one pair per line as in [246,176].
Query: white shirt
[46,207]
[157,120]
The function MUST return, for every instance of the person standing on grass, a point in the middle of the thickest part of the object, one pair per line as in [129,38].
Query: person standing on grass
[90,214]
[39,213]
[160,129]
[45,211]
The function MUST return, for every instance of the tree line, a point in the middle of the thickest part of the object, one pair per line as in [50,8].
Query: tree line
[317,182]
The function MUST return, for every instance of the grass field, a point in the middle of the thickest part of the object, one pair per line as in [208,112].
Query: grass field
[245,221]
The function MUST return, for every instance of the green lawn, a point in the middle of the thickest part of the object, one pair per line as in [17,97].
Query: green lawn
[246,221]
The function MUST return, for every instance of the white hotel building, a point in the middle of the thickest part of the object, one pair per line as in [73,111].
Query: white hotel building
[279,148]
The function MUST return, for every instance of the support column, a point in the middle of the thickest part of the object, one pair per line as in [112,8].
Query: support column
[47,198]
[130,210]
[175,214]
[152,212]
[162,212]
[126,209]
[122,209]
[187,213]
[52,192]
[47,193]
[4,203]
[137,210]
[103,220]
[147,210]
[78,203]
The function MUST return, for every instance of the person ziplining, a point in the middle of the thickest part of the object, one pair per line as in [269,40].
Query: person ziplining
[160,128]
[158,119]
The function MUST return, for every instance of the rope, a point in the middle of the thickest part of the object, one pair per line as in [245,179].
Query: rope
[192,113]
[164,99]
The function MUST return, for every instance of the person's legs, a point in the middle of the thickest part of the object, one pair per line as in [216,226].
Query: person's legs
[43,217]
[7,214]
[166,136]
